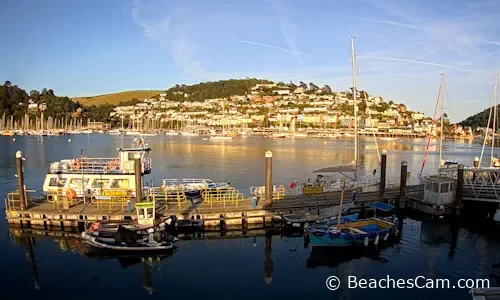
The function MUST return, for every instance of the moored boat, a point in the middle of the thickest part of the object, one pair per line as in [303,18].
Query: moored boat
[192,187]
[97,174]
[357,233]
[300,218]
[127,240]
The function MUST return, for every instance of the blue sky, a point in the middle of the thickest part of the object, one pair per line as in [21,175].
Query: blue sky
[81,48]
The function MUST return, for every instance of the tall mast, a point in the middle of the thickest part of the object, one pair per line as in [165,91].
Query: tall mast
[355,109]
[494,117]
[442,120]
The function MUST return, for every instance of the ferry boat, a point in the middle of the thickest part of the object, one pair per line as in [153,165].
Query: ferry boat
[114,174]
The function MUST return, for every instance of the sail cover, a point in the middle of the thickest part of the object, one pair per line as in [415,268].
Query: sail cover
[350,167]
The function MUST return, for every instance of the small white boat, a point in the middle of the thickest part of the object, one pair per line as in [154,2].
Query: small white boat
[278,135]
[128,243]
[189,133]
[220,138]
[299,135]
[172,133]
[132,133]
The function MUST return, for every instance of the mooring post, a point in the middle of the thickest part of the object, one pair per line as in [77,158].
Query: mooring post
[402,185]
[269,178]
[476,162]
[20,180]
[383,169]
[138,177]
[460,187]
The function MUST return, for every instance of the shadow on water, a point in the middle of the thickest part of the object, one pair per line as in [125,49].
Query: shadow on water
[332,257]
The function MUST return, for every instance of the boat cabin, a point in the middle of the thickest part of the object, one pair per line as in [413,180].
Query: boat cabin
[439,190]
[95,176]
[123,164]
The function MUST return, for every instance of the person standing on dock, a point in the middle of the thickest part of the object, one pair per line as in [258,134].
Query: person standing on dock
[353,196]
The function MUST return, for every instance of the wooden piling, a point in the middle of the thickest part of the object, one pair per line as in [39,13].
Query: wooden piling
[138,177]
[383,169]
[402,185]
[20,180]
[269,177]
[460,186]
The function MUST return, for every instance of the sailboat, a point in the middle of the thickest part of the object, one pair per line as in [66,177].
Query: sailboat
[280,134]
[444,165]
[223,136]
[494,162]
[351,167]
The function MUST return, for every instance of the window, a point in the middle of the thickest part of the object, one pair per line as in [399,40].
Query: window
[445,187]
[131,156]
[100,183]
[428,185]
[120,184]
[59,182]
[76,183]
[435,187]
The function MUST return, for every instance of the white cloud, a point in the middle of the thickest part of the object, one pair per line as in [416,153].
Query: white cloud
[162,21]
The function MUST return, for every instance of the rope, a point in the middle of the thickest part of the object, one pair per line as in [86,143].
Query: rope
[342,70]
[486,132]
[370,115]
[430,135]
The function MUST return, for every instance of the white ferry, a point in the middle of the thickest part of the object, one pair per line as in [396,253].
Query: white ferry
[117,173]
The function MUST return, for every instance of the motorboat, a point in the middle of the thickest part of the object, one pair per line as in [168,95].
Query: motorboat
[192,187]
[356,233]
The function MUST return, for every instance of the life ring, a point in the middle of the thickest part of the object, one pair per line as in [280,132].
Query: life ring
[94,226]
[75,164]
[112,166]
[71,194]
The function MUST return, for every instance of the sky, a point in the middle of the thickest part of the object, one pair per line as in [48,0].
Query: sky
[85,48]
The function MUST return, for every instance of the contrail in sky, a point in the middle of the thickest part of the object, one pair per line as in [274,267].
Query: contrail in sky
[414,62]
[394,23]
[271,47]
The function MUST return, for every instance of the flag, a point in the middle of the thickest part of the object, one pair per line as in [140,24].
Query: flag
[292,184]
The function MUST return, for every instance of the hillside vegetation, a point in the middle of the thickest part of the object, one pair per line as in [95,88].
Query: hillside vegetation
[116,98]
[14,102]
[478,120]
[212,90]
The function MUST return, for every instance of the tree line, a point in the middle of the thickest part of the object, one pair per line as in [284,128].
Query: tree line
[15,101]
[478,120]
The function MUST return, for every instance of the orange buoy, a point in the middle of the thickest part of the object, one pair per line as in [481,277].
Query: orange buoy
[71,194]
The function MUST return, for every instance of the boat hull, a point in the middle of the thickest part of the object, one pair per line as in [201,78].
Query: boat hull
[324,238]
[138,247]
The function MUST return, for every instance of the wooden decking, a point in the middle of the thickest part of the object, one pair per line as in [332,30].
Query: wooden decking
[232,212]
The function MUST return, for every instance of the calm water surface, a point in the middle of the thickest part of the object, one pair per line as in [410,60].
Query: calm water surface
[239,268]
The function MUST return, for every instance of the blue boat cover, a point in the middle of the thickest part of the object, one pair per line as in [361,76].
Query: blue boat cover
[381,205]
[370,228]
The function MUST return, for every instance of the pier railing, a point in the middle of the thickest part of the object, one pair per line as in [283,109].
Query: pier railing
[279,192]
[222,196]
[95,166]
[13,201]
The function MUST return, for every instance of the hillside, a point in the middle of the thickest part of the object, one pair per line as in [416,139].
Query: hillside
[116,98]
[211,90]
[477,120]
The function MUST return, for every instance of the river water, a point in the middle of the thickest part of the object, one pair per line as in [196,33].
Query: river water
[245,267]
